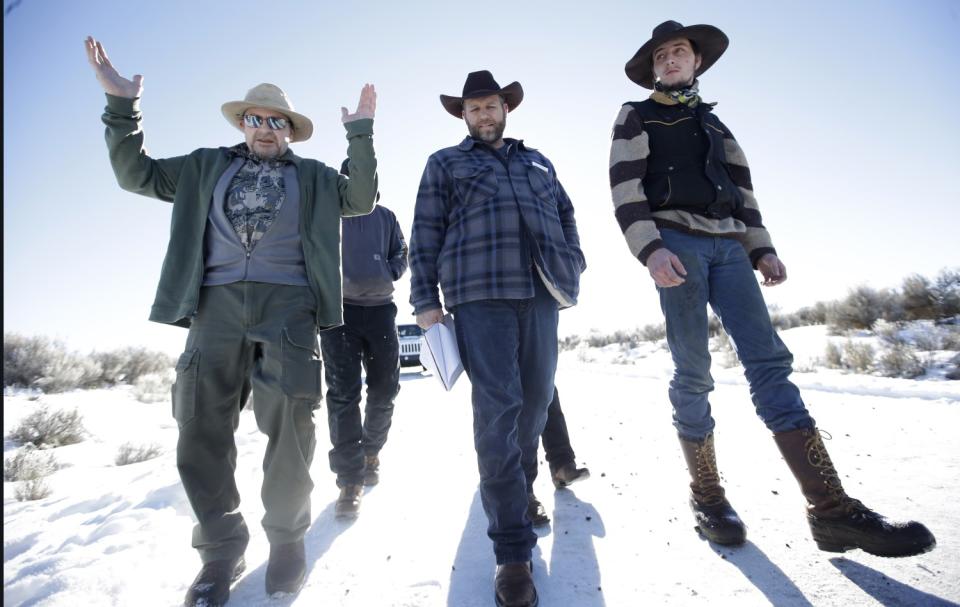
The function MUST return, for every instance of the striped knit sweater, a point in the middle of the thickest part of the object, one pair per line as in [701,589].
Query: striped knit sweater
[641,219]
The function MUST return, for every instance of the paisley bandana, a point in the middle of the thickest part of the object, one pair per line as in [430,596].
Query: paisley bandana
[254,196]
[688,96]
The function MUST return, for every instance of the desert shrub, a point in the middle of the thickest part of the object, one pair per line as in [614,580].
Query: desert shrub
[134,454]
[31,490]
[569,342]
[858,357]
[946,293]
[900,361]
[833,358]
[950,338]
[39,362]
[927,341]
[861,308]
[917,298]
[653,332]
[714,326]
[126,365]
[28,464]
[46,428]
[724,347]
[153,387]
[889,333]
[812,315]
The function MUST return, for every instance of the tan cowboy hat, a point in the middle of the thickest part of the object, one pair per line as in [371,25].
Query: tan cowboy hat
[482,84]
[271,97]
[709,40]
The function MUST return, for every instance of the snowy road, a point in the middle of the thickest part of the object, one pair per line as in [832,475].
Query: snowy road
[120,536]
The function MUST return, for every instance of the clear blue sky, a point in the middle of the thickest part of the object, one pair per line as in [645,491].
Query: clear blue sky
[846,110]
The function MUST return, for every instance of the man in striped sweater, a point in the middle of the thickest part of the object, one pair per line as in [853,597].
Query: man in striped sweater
[684,201]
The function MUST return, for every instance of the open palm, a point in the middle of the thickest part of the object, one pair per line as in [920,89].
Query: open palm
[366,108]
[108,76]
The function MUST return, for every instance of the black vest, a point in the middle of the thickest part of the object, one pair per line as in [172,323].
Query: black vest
[687,166]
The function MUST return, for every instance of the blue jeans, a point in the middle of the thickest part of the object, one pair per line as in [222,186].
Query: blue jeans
[509,351]
[719,273]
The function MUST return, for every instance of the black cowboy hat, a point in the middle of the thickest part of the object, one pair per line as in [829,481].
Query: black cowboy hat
[482,84]
[710,42]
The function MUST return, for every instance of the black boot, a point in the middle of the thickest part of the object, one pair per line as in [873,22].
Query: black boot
[536,512]
[211,588]
[348,504]
[513,586]
[566,474]
[716,519]
[837,521]
[286,568]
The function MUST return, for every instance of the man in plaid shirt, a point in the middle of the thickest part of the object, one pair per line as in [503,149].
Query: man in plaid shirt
[495,229]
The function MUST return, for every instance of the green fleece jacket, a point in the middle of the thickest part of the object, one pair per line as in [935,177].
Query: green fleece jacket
[188,182]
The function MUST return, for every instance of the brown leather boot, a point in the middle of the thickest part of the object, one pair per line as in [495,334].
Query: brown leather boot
[716,519]
[837,521]
[536,512]
[513,586]
[371,470]
[567,473]
[348,504]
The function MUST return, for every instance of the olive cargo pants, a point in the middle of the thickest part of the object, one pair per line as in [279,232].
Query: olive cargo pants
[248,335]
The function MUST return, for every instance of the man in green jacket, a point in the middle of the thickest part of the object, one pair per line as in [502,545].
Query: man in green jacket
[253,269]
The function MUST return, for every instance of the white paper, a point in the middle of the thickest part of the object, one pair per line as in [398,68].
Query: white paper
[439,353]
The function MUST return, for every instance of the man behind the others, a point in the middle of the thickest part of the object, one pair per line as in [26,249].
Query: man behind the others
[374,256]
[495,229]
[253,269]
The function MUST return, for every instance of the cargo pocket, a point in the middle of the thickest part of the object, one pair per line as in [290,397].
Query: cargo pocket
[300,377]
[184,389]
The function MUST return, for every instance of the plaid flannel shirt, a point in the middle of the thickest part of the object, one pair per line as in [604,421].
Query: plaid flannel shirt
[476,214]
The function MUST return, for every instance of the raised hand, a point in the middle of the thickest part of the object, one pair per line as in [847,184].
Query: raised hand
[108,76]
[365,109]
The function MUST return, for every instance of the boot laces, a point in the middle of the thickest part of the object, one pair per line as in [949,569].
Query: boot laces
[819,458]
[708,476]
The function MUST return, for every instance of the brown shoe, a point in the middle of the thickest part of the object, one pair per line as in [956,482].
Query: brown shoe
[286,568]
[513,586]
[567,474]
[837,521]
[371,470]
[348,504]
[536,512]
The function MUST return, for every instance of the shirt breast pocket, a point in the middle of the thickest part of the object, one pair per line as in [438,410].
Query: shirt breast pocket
[475,185]
[542,184]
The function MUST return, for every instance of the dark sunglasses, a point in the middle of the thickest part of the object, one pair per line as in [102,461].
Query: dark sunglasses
[253,121]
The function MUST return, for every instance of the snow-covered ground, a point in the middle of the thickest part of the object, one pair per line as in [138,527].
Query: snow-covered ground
[111,535]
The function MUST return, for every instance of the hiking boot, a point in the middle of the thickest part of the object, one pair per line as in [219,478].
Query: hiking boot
[715,517]
[513,586]
[567,474]
[211,588]
[536,512]
[348,504]
[371,470]
[837,521]
[286,568]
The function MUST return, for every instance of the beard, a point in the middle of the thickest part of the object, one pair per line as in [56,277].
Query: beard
[489,135]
